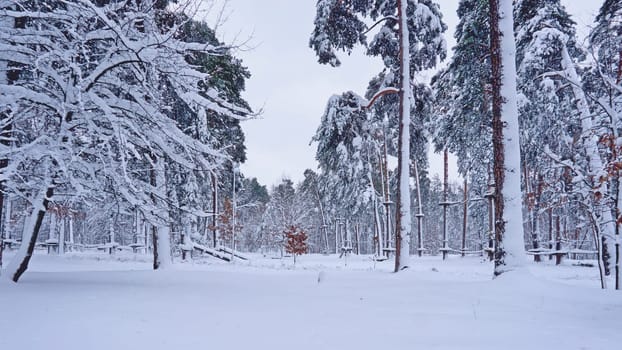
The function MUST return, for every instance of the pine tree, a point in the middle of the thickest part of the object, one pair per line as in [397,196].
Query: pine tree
[509,249]
[408,40]
[343,150]
[548,121]
[462,103]
[463,92]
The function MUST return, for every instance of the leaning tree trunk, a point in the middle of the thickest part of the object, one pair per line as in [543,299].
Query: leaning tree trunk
[509,250]
[590,145]
[19,263]
[402,222]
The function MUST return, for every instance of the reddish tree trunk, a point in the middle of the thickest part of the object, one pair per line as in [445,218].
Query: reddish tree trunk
[497,129]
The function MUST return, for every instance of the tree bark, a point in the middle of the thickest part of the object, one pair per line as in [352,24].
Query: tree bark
[154,241]
[160,229]
[509,249]
[20,262]
[402,222]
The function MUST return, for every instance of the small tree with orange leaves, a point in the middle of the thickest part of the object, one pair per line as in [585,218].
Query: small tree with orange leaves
[295,241]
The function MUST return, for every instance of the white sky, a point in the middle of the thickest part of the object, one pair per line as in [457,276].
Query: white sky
[292,88]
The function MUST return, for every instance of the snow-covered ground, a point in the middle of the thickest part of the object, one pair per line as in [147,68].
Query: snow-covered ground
[92,301]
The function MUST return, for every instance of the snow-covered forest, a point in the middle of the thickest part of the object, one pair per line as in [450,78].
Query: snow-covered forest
[121,149]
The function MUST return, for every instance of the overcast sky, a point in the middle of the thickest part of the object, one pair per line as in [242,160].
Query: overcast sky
[292,88]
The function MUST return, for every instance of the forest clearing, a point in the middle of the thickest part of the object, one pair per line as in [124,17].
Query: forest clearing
[98,302]
[429,174]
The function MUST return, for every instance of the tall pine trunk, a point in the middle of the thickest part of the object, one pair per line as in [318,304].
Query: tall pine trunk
[509,249]
[402,222]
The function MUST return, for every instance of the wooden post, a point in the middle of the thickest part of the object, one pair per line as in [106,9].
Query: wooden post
[154,243]
[214,209]
[558,241]
[111,233]
[324,229]
[420,247]
[145,231]
[52,234]
[347,239]
[465,209]
[387,226]
[445,204]
[61,235]
[71,236]
[377,230]
[387,199]
[550,233]
[419,214]
[7,218]
[234,169]
[3,231]
[336,235]
[357,233]
[535,223]
[183,244]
